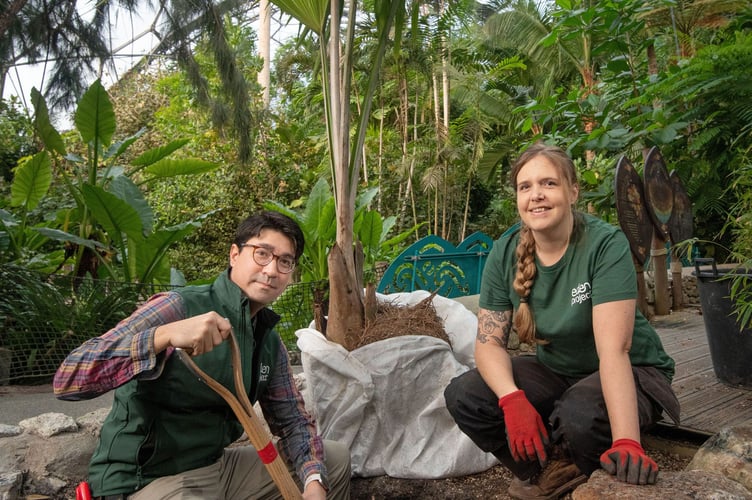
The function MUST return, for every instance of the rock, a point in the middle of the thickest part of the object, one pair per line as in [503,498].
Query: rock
[49,424]
[686,485]
[92,421]
[10,485]
[9,430]
[50,464]
[728,453]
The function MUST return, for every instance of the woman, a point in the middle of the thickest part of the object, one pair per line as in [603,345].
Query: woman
[600,374]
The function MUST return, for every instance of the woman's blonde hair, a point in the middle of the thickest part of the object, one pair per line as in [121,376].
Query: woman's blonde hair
[524,321]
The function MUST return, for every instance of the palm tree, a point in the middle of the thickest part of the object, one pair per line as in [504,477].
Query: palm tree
[520,28]
[684,18]
[346,300]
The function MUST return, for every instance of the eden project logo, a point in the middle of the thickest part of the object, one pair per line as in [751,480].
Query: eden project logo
[581,293]
[264,372]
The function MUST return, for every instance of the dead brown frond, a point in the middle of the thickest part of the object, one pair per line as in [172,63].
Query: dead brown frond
[396,320]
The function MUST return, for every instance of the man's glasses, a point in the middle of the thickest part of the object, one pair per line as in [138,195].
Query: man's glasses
[263,256]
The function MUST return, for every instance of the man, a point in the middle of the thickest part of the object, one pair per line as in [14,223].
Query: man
[167,434]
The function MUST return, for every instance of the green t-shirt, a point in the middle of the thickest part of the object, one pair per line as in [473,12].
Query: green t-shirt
[596,268]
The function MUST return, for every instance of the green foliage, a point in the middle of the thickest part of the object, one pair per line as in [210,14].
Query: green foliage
[710,96]
[740,225]
[16,137]
[317,220]
[109,229]
[19,240]
[597,187]
[44,320]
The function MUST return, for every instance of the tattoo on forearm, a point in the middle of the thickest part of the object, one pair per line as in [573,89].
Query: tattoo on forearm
[494,326]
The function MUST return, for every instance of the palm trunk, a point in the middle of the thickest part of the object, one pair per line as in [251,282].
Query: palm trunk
[264,76]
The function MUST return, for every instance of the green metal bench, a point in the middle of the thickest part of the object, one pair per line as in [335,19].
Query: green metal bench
[436,265]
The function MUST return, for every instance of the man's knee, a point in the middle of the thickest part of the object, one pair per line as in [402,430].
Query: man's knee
[337,460]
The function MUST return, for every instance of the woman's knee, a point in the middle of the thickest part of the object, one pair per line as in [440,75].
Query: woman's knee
[579,413]
[463,389]
[580,424]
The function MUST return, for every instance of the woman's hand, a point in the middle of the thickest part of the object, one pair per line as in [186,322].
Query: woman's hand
[526,433]
[628,462]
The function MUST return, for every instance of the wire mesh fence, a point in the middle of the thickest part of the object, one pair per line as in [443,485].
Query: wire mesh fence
[43,318]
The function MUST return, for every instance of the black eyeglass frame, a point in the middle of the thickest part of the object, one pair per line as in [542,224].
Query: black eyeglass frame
[255,247]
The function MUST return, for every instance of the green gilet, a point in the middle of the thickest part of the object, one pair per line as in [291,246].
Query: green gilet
[176,423]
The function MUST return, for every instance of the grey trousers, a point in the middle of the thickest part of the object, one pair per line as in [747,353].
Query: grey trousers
[240,474]
[573,410]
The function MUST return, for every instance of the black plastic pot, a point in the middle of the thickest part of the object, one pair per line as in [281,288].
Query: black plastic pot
[730,347]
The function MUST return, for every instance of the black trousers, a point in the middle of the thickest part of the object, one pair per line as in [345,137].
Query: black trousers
[573,410]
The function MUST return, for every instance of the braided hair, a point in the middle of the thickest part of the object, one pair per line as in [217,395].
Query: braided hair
[524,320]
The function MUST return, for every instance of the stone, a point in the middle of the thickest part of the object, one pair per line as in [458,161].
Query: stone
[49,424]
[10,485]
[92,421]
[686,485]
[728,453]
[49,465]
[9,430]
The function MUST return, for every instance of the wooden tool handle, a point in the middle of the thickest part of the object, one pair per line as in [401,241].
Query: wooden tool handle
[245,413]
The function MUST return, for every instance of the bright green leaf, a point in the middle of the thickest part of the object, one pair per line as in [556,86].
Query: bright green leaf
[50,137]
[31,181]
[170,168]
[156,154]
[312,13]
[95,117]
[124,188]
[116,216]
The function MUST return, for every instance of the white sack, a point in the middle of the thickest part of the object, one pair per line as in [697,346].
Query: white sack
[385,400]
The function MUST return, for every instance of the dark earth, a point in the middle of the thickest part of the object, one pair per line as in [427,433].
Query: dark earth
[489,485]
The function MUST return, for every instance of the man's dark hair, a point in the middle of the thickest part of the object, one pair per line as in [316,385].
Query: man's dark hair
[252,226]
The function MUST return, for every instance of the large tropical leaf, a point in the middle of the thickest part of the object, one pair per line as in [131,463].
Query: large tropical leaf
[124,188]
[151,262]
[312,13]
[58,235]
[318,215]
[117,148]
[95,117]
[368,228]
[31,182]
[50,137]
[170,168]
[116,216]
[156,154]
[318,223]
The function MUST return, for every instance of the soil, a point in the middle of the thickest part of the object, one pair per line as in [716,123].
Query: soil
[489,485]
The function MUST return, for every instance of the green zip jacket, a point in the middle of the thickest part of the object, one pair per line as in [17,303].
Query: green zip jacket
[175,423]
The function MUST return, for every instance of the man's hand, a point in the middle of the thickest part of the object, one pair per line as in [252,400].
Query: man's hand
[628,461]
[314,491]
[526,433]
[196,335]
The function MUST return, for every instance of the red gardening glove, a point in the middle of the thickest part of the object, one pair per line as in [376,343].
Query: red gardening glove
[526,434]
[628,461]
